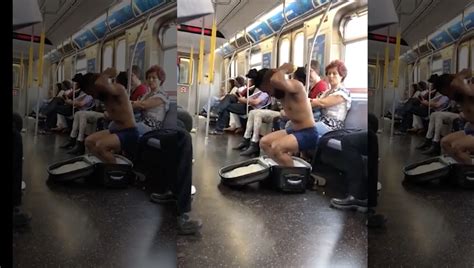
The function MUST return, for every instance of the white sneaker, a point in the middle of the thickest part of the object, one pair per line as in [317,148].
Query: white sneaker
[23,185]
[193,190]
[379,186]
[193,161]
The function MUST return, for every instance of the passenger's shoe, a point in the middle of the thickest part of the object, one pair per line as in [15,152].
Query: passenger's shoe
[350,202]
[186,226]
[79,149]
[216,132]
[243,144]
[69,144]
[162,198]
[435,149]
[253,149]
[425,145]
[230,129]
[239,130]
[400,133]
[20,219]
[193,190]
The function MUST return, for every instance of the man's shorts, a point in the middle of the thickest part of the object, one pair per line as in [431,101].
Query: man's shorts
[307,137]
[128,139]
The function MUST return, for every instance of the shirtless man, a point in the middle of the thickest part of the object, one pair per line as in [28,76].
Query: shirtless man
[459,144]
[302,135]
[123,136]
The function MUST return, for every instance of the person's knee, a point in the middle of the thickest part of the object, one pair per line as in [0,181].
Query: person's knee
[276,148]
[445,144]
[265,144]
[90,143]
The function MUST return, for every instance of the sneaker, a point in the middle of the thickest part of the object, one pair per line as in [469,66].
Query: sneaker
[350,202]
[216,132]
[425,145]
[166,197]
[186,226]
[379,186]
[23,185]
[193,190]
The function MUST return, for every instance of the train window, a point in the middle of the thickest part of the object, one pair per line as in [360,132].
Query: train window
[107,57]
[355,54]
[355,57]
[256,60]
[81,65]
[60,74]
[232,68]
[437,66]
[120,55]
[298,49]
[284,54]
[184,68]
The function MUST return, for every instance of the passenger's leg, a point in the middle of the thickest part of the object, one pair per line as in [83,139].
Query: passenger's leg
[79,147]
[19,218]
[106,147]
[282,148]
[322,128]
[447,140]
[182,185]
[267,140]
[91,140]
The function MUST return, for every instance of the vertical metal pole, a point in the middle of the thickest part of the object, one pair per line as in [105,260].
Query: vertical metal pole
[198,92]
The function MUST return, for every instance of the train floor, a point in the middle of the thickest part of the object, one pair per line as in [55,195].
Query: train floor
[84,226]
[257,227]
[426,225]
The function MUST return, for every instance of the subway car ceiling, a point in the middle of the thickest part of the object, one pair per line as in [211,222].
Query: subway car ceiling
[245,22]
[78,24]
[426,26]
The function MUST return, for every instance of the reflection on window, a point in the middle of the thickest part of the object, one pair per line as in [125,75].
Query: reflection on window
[256,61]
[16,76]
[107,59]
[298,50]
[356,63]
[120,56]
[81,65]
[184,69]
[284,54]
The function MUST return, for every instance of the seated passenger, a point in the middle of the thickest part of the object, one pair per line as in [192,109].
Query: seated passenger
[317,85]
[436,102]
[139,89]
[250,142]
[334,102]
[153,105]
[124,136]
[256,100]
[438,121]
[303,134]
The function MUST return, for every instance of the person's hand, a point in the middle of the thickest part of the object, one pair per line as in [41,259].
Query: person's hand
[288,68]
[68,101]
[106,115]
[425,102]
[110,72]
[242,99]
[282,113]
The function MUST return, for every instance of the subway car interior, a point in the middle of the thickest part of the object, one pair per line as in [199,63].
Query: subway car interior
[241,133]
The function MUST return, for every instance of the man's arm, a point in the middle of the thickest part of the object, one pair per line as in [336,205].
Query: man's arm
[279,81]
[102,83]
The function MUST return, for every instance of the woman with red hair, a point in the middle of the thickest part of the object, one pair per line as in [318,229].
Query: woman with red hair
[334,102]
[153,105]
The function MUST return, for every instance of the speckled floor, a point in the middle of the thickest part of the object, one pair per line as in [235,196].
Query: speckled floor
[79,226]
[259,227]
[427,226]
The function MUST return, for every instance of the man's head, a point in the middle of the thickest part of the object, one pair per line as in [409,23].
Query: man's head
[77,80]
[300,75]
[240,81]
[87,83]
[122,79]
[422,85]
[314,75]
[136,76]
[261,80]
